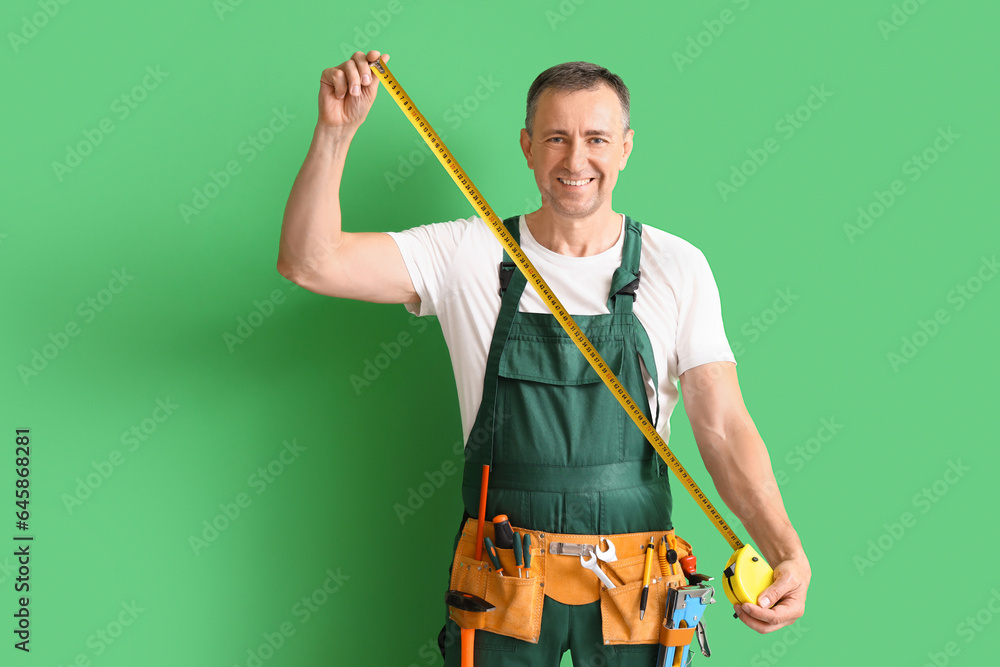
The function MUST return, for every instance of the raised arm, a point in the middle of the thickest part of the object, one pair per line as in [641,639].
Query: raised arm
[314,251]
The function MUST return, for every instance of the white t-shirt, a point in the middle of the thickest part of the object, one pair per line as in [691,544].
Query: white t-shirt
[453,266]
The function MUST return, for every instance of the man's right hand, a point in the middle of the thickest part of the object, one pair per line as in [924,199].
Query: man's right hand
[314,251]
[347,91]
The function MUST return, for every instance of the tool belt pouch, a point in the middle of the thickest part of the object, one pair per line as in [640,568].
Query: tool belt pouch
[518,601]
[620,623]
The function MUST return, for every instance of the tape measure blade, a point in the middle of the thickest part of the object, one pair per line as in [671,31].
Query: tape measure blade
[565,320]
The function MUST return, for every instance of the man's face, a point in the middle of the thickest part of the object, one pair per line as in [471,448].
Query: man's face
[576,149]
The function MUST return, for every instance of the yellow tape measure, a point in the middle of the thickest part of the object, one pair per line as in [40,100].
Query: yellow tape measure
[565,320]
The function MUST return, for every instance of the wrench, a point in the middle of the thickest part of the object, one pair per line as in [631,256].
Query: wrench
[608,555]
[591,564]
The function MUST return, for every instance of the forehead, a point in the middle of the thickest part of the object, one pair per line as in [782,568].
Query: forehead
[598,108]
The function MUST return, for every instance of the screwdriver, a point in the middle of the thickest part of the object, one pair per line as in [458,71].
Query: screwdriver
[503,532]
[527,556]
[492,552]
[517,553]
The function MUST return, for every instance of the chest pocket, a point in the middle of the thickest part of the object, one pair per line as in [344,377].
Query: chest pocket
[555,409]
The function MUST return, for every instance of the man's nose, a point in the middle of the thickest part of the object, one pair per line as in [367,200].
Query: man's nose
[576,159]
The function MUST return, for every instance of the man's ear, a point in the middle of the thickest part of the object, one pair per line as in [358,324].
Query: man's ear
[526,148]
[626,149]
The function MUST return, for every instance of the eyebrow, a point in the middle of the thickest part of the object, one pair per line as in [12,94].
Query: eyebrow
[588,133]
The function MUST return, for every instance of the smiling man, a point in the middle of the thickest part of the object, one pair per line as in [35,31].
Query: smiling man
[566,462]
[576,139]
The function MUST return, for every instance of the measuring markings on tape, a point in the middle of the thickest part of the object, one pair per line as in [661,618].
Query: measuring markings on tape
[463,181]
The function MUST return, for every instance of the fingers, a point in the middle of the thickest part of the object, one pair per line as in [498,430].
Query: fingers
[783,585]
[782,602]
[780,615]
[751,620]
[764,620]
[352,76]
[364,71]
[352,70]
[336,79]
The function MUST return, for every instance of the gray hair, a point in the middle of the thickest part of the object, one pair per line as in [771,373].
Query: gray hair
[569,77]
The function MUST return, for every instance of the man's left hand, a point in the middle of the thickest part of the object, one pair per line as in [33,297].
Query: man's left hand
[782,602]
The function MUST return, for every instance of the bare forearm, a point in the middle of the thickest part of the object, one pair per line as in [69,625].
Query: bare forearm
[752,493]
[741,469]
[311,227]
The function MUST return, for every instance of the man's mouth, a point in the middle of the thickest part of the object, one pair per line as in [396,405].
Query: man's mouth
[575,184]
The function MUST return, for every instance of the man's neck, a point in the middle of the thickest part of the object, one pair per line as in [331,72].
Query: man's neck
[575,237]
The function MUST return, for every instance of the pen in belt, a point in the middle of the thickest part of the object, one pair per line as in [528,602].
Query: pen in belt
[647,572]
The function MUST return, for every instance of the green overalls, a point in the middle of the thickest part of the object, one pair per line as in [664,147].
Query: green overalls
[564,455]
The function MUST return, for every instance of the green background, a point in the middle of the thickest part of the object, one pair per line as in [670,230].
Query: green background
[126,539]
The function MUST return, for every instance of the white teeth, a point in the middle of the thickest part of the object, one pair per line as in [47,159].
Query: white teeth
[583,182]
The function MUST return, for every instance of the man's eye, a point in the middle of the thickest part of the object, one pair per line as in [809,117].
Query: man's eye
[559,139]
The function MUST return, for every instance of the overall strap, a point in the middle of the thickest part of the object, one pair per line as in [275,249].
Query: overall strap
[625,280]
[625,283]
[511,296]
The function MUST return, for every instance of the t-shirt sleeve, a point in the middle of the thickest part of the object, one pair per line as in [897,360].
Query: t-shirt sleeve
[429,252]
[701,337]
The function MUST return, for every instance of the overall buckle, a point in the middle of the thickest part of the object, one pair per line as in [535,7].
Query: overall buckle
[630,288]
[506,270]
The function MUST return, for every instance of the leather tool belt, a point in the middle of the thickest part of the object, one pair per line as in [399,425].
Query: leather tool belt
[519,601]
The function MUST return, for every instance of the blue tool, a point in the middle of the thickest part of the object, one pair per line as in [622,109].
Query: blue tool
[682,621]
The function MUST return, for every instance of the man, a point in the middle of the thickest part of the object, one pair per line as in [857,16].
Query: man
[565,457]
